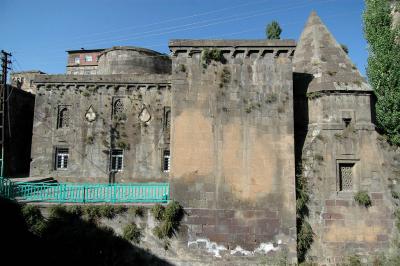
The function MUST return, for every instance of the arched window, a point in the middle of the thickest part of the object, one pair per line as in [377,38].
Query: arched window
[167,117]
[118,107]
[63,117]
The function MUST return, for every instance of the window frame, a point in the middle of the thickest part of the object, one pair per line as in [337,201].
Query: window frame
[61,158]
[77,60]
[60,118]
[119,159]
[166,161]
[355,182]
[87,57]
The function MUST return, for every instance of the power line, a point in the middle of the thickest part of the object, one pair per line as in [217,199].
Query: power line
[219,20]
[222,35]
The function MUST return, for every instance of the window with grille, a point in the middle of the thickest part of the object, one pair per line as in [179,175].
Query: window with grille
[61,160]
[346,176]
[88,58]
[166,161]
[118,107]
[63,117]
[117,160]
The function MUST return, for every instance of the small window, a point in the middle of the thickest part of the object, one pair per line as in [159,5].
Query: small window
[167,117]
[117,160]
[63,117]
[88,58]
[346,176]
[61,160]
[347,121]
[118,108]
[77,60]
[166,161]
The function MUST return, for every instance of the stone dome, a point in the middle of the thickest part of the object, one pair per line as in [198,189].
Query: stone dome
[132,60]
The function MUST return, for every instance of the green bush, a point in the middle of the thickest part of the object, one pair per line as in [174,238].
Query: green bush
[158,211]
[31,214]
[107,211]
[57,210]
[212,55]
[93,212]
[171,218]
[304,240]
[75,210]
[137,211]
[362,198]
[131,232]
[34,218]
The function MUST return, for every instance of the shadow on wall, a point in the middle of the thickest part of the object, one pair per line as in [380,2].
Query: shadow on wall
[66,239]
[300,111]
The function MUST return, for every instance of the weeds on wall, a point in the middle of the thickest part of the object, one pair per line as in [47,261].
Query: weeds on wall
[313,95]
[363,199]
[132,232]
[169,219]
[207,56]
[305,234]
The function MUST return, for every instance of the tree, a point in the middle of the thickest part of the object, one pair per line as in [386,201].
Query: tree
[384,65]
[273,31]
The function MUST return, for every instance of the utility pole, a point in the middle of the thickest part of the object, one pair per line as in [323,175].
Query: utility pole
[3,96]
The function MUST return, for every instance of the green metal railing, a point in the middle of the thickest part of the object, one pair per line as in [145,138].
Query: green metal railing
[85,193]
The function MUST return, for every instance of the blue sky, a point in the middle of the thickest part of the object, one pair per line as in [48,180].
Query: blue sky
[39,32]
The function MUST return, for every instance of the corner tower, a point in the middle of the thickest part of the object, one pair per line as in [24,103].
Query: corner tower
[337,149]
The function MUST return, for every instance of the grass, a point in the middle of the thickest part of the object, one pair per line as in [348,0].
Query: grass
[132,232]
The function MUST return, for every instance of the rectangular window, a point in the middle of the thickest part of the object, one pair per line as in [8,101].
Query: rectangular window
[117,160]
[88,58]
[77,60]
[166,161]
[346,176]
[61,160]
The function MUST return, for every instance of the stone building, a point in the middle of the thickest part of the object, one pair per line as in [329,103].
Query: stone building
[225,122]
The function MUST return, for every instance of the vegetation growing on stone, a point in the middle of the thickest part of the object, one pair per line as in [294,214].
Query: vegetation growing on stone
[345,48]
[132,232]
[271,98]
[353,260]
[137,211]
[170,218]
[304,230]
[314,95]
[383,65]
[273,31]
[212,55]
[362,198]
[304,240]
[158,211]
[33,218]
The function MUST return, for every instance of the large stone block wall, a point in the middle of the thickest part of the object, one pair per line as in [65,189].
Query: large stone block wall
[144,97]
[341,226]
[232,143]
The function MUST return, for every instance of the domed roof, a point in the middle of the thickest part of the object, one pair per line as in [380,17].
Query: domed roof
[132,60]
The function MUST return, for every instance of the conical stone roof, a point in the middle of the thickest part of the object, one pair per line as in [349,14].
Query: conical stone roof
[320,55]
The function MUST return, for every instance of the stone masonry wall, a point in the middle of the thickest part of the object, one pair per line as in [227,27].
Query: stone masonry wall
[232,144]
[341,227]
[139,130]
